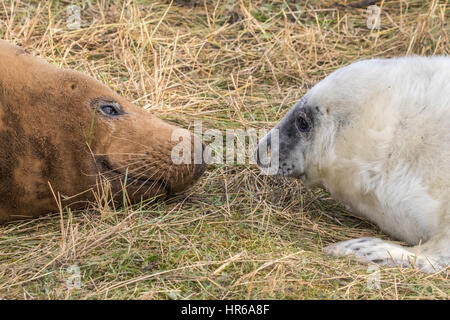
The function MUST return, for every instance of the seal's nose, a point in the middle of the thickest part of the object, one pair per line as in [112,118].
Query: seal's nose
[200,167]
[192,171]
[263,161]
[263,152]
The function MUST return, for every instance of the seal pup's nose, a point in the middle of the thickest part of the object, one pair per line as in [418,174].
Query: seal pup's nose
[264,147]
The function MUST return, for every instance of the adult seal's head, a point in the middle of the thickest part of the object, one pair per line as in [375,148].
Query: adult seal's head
[61,130]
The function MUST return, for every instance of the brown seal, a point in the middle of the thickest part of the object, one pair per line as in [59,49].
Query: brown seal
[61,130]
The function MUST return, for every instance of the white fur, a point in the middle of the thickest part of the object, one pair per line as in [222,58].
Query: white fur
[383,149]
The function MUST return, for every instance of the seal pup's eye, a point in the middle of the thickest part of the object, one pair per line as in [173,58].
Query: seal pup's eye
[303,124]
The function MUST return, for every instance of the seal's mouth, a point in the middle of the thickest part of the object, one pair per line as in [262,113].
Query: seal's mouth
[141,183]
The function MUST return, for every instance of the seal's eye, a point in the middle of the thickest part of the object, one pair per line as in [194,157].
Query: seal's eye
[302,123]
[111,110]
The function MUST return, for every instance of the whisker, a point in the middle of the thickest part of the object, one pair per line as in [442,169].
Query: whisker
[133,142]
[127,165]
[121,153]
[122,175]
[145,182]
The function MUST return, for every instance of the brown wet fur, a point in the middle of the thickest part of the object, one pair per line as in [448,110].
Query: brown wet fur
[45,137]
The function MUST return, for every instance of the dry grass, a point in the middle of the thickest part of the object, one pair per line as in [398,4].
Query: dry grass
[232,64]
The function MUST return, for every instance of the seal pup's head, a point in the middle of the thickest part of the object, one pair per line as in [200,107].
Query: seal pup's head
[65,128]
[375,135]
[304,142]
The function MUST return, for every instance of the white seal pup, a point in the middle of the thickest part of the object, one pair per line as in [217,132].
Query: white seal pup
[376,135]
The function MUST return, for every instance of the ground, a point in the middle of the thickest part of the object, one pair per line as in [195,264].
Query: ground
[235,234]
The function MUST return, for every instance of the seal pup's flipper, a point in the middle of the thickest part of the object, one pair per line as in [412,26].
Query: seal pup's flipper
[374,250]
